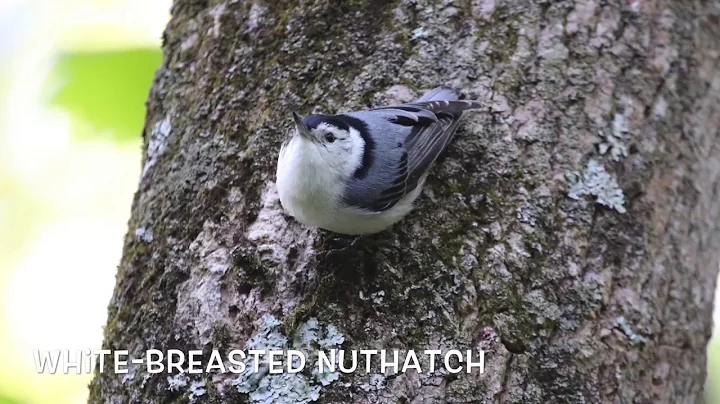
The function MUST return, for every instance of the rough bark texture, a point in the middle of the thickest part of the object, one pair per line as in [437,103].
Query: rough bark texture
[579,288]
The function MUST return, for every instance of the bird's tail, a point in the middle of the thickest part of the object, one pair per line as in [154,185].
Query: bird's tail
[439,94]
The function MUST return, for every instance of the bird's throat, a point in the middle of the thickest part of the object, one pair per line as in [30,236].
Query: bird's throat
[313,182]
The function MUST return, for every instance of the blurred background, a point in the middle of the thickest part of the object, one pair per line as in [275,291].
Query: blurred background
[74,76]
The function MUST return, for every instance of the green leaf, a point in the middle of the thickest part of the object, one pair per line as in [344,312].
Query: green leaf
[106,90]
[7,400]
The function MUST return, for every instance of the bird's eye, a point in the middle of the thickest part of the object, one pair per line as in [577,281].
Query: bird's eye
[329,137]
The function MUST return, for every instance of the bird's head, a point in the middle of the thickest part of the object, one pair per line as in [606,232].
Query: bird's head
[335,140]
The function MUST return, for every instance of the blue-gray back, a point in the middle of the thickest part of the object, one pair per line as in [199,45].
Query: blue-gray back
[401,143]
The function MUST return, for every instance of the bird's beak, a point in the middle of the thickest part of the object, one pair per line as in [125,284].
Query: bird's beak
[301,128]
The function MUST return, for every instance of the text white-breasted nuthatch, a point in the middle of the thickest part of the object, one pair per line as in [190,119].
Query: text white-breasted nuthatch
[360,172]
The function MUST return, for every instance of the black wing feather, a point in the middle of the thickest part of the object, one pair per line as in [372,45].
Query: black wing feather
[431,133]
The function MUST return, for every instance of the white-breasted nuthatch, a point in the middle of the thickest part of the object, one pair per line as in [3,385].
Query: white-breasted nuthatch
[360,172]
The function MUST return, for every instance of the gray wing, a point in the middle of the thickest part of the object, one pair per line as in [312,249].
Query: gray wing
[427,128]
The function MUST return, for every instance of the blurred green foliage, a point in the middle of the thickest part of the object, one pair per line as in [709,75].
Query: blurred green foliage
[104,93]
[712,392]
[7,400]
[106,89]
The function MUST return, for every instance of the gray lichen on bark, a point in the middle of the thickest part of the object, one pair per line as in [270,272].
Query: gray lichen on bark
[557,290]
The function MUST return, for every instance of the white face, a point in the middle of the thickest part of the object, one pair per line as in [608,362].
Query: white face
[332,138]
[336,148]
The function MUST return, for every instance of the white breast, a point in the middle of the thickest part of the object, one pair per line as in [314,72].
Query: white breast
[311,194]
[307,192]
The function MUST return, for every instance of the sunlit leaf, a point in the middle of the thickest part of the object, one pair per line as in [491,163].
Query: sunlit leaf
[106,89]
[7,400]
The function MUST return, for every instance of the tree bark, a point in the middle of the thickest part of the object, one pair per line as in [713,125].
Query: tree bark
[569,231]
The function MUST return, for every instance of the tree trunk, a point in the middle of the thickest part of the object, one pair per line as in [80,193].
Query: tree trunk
[569,231]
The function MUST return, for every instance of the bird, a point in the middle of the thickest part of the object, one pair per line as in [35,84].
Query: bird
[359,173]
